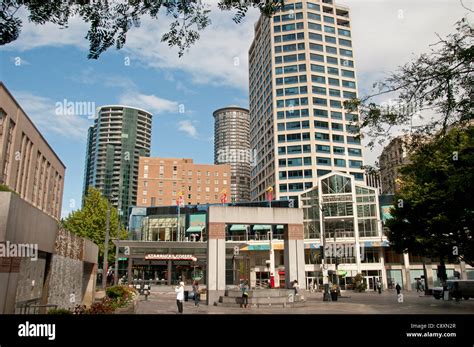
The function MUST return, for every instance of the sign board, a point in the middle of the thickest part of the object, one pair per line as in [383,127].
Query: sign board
[170,257]
[236,250]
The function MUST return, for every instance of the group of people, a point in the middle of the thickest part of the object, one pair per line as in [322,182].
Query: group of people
[179,290]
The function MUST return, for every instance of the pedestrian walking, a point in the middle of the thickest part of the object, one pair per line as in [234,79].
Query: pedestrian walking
[197,296]
[398,288]
[180,296]
[379,287]
[245,294]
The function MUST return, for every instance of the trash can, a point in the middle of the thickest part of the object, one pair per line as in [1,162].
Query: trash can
[186,295]
[334,296]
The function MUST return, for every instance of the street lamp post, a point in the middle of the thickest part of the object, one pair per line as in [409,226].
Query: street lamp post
[272,260]
[323,259]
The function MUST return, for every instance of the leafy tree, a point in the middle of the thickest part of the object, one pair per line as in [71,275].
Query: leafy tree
[433,211]
[439,83]
[90,221]
[110,21]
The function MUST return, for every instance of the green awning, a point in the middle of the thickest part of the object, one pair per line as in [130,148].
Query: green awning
[238,227]
[262,227]
[194,229]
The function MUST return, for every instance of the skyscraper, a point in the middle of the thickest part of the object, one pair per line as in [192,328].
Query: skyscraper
[232,146]
[119,136]
[301,69]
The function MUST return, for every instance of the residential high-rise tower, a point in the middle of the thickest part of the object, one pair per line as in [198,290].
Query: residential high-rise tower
[119,136]
[232,146]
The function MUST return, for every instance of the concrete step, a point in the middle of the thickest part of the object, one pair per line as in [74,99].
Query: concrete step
[263,305]
[259,293]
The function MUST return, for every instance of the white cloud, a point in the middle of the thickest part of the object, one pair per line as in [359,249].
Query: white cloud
[188,127]
[43,112]
[34,36]
[220,57]
[150,103]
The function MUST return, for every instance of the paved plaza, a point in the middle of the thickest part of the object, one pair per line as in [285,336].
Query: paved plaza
[163,301]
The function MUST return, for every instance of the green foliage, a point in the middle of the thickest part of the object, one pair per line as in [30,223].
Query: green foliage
[433,212]
[111,21]
[60,311]
[359,285]
[121,295]
[90,221]
[438,83]
[4,188]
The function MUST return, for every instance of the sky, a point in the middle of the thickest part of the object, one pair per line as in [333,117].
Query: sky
[47,67]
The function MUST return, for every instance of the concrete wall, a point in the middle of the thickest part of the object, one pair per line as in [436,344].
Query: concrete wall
[66,264]
[255,215]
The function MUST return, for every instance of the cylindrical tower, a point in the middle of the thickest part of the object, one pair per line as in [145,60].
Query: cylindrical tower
[232,146]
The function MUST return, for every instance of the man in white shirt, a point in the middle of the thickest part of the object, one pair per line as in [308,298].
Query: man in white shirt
[180,296]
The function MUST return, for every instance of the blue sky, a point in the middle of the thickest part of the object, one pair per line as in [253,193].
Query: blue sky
[214,73]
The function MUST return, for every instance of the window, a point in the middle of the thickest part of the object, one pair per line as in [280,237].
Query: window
[329,29]
[331,60]
[322,136]
[345,43]
[316,47]
[355,152]
[328,19]
[330,39]
[345,52]
[320,101]
[294,162]
[338,138]
[334,92]
[316,57]
[333,81]
[335,104]
[314,16]
[344,32]
[347,63]
[323,172]
[353,139]
[319,90]
[339,162]
[348,84]
[314,36]
[317,68]
[321,125]
[348,73]
[337,126]
[333,71]
[322,149]
[349,95]
[312,6]
[318,79]
[331,50]
[338,150]
[323,161]
[355,163]
[320,113]
[336,115]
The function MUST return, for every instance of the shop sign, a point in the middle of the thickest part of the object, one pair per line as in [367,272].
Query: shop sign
[170,257]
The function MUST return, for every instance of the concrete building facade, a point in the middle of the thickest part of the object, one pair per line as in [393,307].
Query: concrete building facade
[28,165]
[392,158]
[119,136]
[54,266]
[302,69]
[232,146]
[162,180]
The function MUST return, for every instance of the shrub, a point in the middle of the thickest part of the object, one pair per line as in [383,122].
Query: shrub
[120,296]
[59,311]
[359,285]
